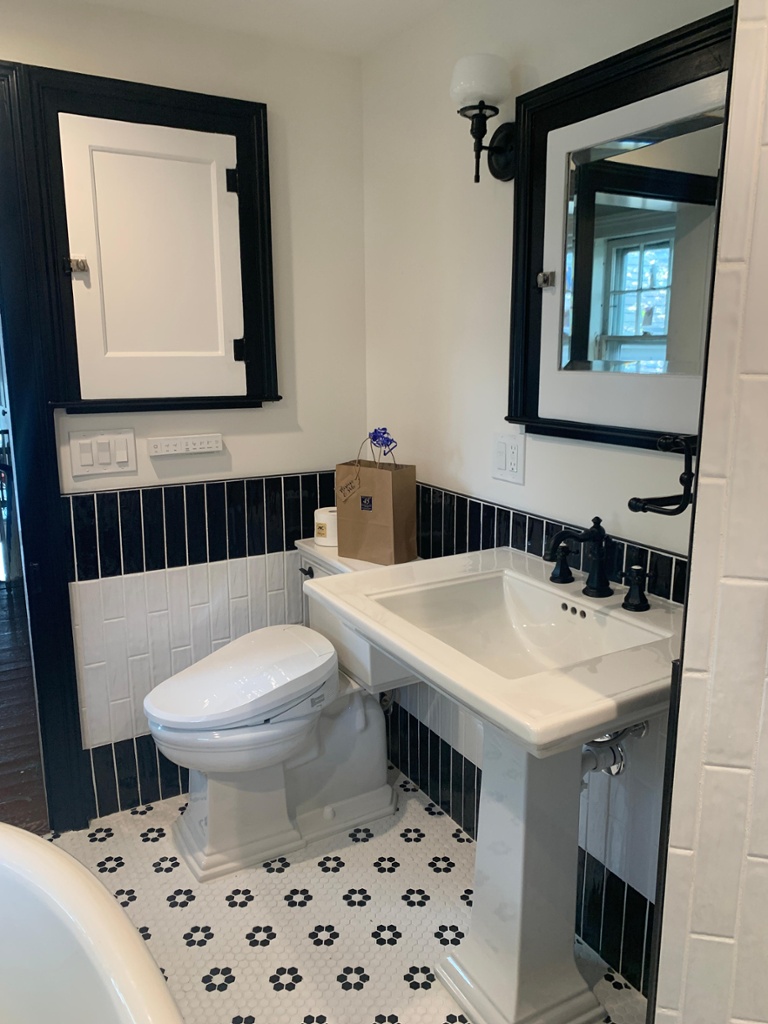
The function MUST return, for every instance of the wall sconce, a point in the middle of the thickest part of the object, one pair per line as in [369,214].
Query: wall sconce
[480,82]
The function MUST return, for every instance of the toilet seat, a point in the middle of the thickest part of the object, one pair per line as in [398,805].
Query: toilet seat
[279,671]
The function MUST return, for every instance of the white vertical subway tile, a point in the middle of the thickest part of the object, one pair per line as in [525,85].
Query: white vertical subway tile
[745,117]
[121,720]
[597,819]
[181,658]
[91,622]
[157,596]
[218,644]
[275,571]
[159,646]
[95,699]
[136,615]
[720,850]
[178,607]
[642,828]
[686,785]
[674,935]
[752,357]
[238,578]
[746,549]
[201,631]
[473,739]
[112,597]
[239,617]
[294,597]
[708,982]
[116,651]
[74,602]
[583,805]
[738,667]
[276,608]
[705,572]
[666,1017]
[257,590]
[758,838]
[219,583]
[198,584]
[727,306]
[750,1000]
[753,10]
[140,678]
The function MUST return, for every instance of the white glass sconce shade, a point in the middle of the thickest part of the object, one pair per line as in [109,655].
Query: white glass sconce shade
[480,77]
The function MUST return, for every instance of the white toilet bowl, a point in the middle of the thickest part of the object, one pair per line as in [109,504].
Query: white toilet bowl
[281,747]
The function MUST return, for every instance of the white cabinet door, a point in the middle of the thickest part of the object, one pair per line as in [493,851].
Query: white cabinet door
[157,312]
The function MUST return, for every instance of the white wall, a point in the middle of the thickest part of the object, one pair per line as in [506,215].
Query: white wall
[439,260]
[715,932]
[315,141]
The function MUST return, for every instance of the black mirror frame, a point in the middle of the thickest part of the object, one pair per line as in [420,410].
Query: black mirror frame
[48,92]
[686,55]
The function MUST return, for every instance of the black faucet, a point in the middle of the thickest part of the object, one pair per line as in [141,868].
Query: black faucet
[598,584]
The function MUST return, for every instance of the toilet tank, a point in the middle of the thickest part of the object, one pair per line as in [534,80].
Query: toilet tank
[372,669]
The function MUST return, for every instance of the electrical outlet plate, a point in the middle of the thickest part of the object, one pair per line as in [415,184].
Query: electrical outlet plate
[508,457]
[188,444]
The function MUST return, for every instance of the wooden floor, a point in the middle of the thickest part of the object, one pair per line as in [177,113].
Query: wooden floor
[22,794]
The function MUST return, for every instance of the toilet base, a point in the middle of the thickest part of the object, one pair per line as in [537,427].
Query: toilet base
[235,820]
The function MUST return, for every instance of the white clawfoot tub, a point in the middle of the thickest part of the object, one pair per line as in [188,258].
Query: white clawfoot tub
[68,953]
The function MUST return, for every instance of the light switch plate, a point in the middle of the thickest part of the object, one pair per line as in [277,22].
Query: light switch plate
[508,458]
[97,452]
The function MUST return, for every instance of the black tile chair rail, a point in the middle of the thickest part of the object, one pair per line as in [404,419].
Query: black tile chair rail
[117,533]
[449,523]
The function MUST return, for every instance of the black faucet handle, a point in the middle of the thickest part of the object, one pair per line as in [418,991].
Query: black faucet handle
[635,600]
[562,571]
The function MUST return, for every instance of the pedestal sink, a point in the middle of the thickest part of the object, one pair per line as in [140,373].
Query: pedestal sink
[547,669]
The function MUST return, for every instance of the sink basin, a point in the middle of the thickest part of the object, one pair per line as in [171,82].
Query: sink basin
[538,659]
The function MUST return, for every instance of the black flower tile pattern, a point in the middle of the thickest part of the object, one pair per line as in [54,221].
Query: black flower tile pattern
[253,947]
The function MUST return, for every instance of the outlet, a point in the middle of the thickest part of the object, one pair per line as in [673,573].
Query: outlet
[509,457]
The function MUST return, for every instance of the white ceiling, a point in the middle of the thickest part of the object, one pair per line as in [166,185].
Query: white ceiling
[344,26]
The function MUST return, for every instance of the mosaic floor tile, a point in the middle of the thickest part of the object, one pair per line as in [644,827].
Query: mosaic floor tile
[346,931]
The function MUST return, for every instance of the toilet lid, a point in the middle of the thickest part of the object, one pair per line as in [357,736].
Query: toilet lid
[248,677]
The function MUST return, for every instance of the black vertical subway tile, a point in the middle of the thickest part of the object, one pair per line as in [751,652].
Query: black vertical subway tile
[169,777]
[594,882]
[478,787]
[680,580]
[468,804]
[636,556]
[519,531]
[86,550]
[613,920]
[660,574]
[488,527]
[184,779]
[197,535]
[550,530]
[108,528]
[614,560]
[175,526]
[424,522]
[405,740]
[474,526]
[462,517]
[635,912]
[437,522]
[327,485]
[104,778]
[154,533]
[292,505]
[449,523]
[503,527]
[146,760]
[309,502]
[255,517]
[647,953]
[580,889]
[414,761]
[132,541]
[216,522]
[534,544]
[457,786]
[423,757]
[444,799]
[68,550]
[127,774]
[393,734]
[273,506]
[433,775]
[236,530]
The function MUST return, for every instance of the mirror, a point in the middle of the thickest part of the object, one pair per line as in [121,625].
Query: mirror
[616,200]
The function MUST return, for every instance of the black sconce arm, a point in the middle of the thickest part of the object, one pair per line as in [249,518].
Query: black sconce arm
[672,505]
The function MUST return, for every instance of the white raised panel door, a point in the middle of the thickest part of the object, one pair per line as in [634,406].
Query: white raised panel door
[158,310]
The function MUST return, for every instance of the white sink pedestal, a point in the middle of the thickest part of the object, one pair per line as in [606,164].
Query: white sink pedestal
[516,965]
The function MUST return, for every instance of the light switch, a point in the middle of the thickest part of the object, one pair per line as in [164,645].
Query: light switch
[86,453]
[103,453]
[121,450]
[501,455]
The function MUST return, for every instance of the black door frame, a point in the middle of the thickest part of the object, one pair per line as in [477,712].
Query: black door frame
[46,543]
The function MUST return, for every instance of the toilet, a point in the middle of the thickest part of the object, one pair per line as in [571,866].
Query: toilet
[282,748]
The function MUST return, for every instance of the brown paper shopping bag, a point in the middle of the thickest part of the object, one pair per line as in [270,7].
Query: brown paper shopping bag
[376,511]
